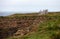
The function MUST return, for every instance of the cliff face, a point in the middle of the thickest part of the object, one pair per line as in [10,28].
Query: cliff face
[19,25]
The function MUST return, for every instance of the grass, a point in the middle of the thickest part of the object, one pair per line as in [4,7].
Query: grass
[49,29]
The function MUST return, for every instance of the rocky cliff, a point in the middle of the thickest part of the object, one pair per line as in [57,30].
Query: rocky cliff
[19,25]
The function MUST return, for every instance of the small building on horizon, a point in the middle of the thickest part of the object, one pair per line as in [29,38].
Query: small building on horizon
[43,12]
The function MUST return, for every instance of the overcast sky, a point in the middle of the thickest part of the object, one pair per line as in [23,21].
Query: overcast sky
[29,5]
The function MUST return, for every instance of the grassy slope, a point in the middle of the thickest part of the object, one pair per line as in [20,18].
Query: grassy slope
[49,29]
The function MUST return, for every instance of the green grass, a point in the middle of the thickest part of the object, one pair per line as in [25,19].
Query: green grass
[49,29]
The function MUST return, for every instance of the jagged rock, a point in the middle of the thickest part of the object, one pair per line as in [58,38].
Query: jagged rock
[18,25]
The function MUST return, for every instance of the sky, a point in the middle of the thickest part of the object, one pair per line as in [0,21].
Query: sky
[29,5]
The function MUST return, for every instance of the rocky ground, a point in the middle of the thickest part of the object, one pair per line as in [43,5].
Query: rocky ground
[16,26]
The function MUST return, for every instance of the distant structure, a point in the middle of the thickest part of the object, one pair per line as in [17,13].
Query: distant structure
[43,12]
